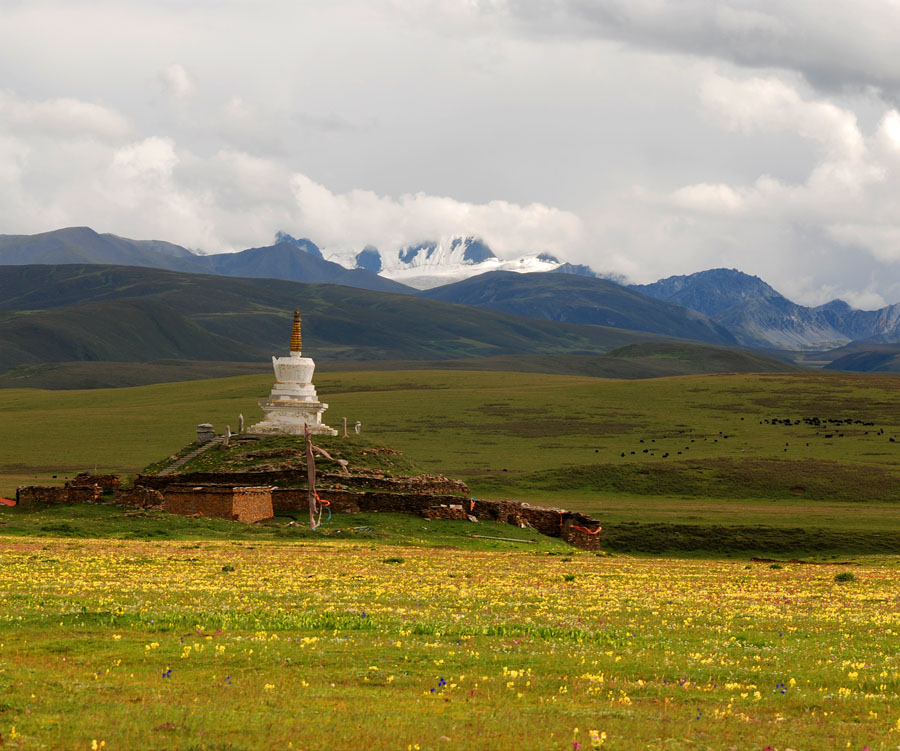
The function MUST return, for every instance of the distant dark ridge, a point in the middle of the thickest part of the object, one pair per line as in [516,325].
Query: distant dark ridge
[299,261]
[133,314]
[709,292]
[84,245]
[577,299]
[760,317]
[289,258]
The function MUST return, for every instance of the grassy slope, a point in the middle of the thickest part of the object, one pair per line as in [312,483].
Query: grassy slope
[85,327]
[128,314]
[289,452]
[551,439]
[339,322]
[645,360]
[477,424]
[108,375]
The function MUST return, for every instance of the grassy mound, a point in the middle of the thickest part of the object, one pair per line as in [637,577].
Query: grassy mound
[272,453]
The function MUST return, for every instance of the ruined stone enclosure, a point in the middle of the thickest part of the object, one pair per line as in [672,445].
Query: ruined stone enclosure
[255,478]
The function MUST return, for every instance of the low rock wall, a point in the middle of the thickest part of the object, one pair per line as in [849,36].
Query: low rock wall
[576,528]
[28,494]
[252,504]
[139,497]
[444,512]
[243,504]
[584,536]
[249,496]
[292,499]
[55,494]
[107,483]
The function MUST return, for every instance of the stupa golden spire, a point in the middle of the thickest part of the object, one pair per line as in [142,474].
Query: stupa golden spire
[295,334]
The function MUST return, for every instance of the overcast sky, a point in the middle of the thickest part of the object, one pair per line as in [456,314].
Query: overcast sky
[642,137]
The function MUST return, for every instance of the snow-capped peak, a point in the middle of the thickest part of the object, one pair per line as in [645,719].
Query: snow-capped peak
[431,264]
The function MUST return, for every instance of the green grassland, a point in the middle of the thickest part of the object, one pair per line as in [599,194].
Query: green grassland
[385,631]
[109,375]
[698,450]
[532,434]
[248,644]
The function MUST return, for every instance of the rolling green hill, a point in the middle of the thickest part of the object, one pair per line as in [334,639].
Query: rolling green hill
[677,358]
[128,314]
[645,360]
[865,357]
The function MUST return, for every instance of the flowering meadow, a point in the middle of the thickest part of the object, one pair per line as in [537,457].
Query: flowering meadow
[109,644]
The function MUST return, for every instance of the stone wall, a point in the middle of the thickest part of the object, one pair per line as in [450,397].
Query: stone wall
[252,504]
[139,497]
[28,494]
[53,494]
[586,538]
[575,528]
[445,512]
[107,483]
[291,499]
[243,504]
[352,501]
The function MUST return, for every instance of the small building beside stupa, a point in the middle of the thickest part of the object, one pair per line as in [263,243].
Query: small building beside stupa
[293,404]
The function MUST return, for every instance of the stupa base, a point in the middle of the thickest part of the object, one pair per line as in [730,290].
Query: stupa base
[281,419]
[284,428]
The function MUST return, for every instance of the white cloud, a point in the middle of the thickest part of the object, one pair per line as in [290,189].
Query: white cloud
[867,299]
[771,104]
[889,133]
[243,126]
[848,176]
[361,217]
[177,81]
[62,118]
[882,241]
[650,137]
[152,159]
[231,200]
[703,197]
[832,232]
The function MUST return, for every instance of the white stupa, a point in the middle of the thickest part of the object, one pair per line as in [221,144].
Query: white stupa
[293,403]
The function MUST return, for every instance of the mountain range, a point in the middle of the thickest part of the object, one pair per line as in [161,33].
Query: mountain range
[578,299]
[58,320]
[125,313]
[723,307]
[760,317]
[288,258]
